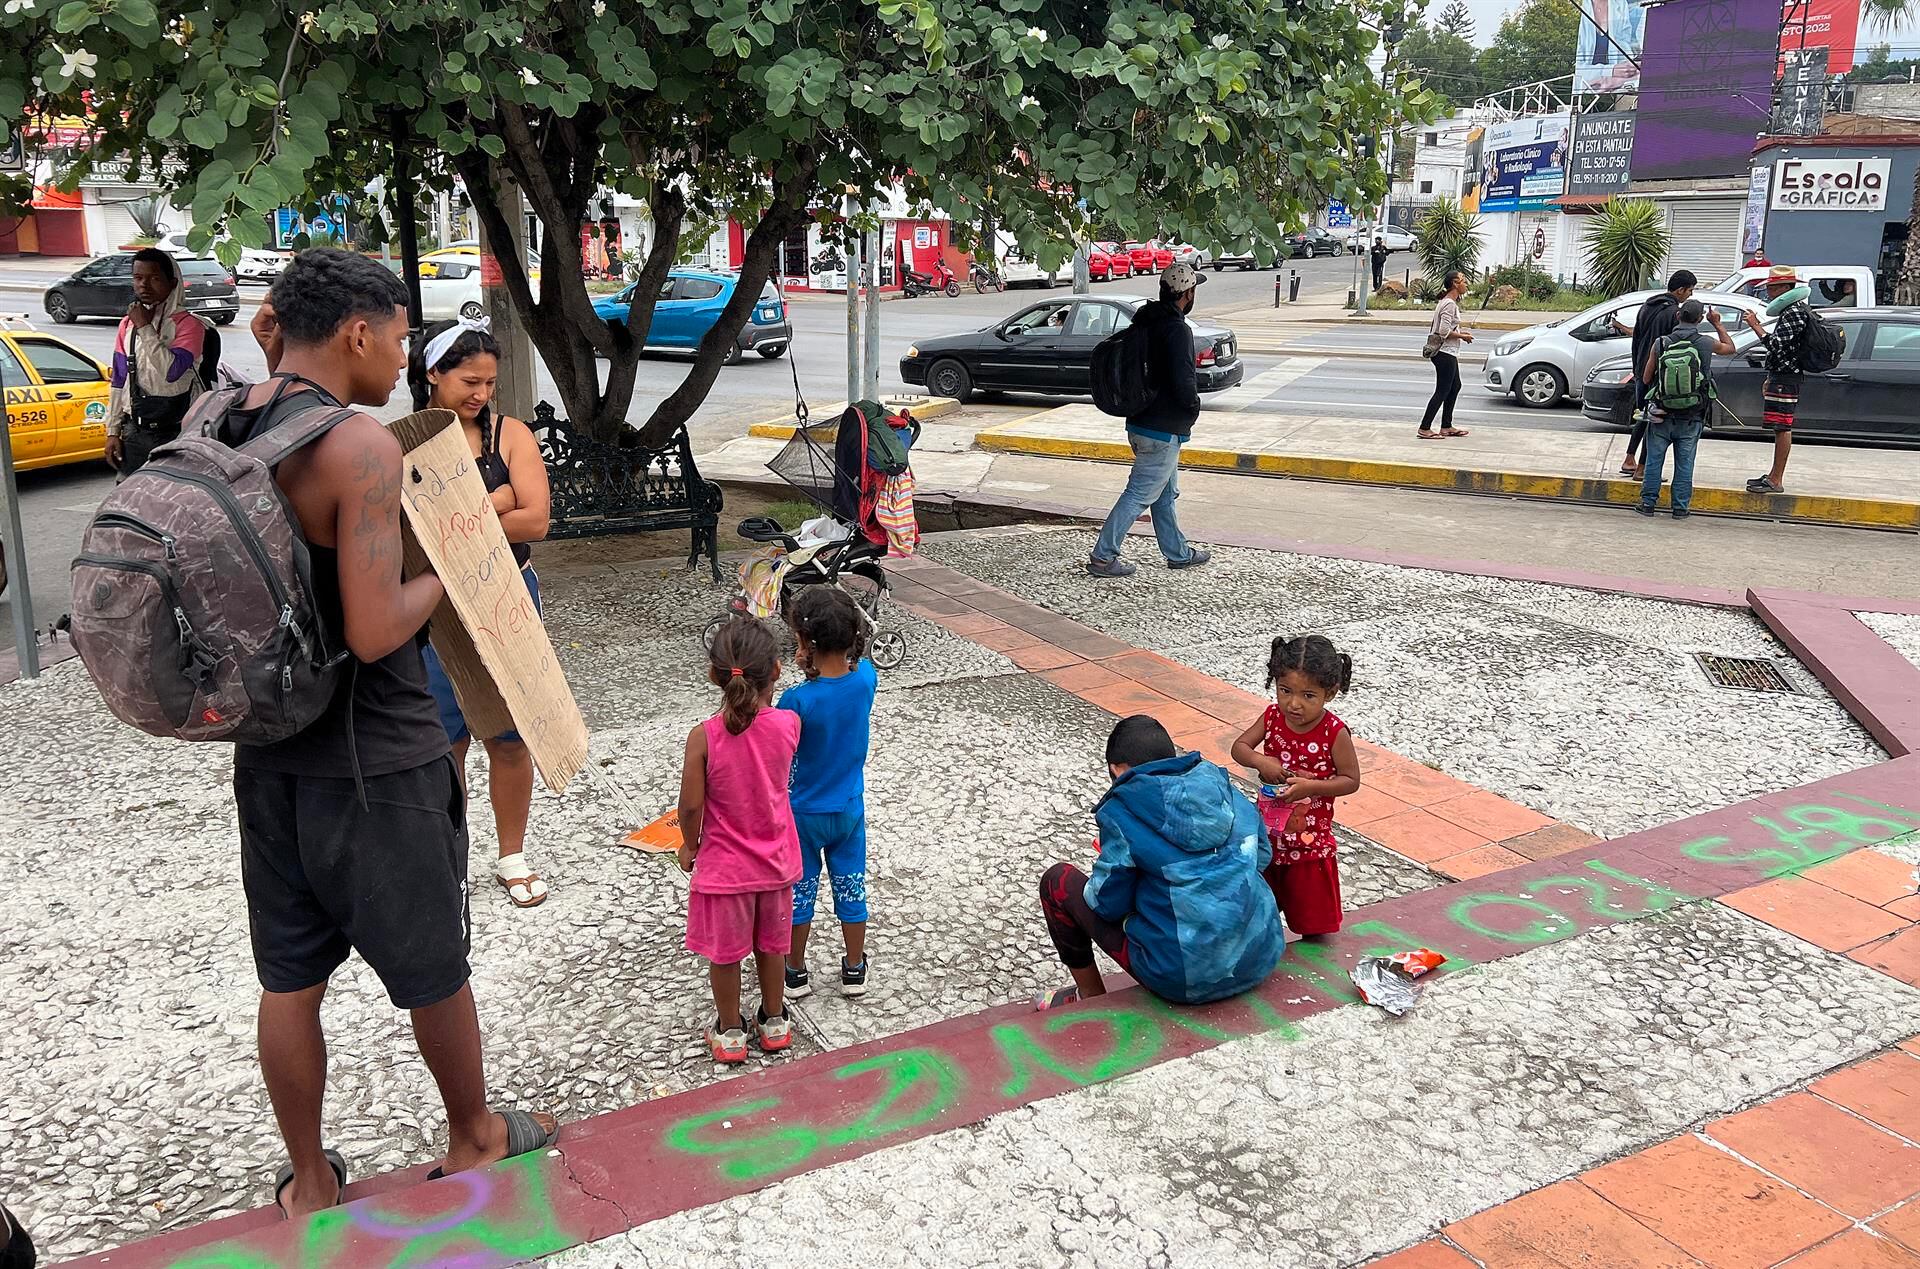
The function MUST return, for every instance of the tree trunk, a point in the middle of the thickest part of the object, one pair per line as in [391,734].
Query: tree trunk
[1908,290]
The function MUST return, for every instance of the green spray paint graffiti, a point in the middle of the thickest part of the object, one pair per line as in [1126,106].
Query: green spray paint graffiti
[919,1085]
[500,1216]
[1819,833]
[1536,921]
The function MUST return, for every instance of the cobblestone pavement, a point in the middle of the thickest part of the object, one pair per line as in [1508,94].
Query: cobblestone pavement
[1358,1137]
[1900,630]
[136,1103]
[1587,707]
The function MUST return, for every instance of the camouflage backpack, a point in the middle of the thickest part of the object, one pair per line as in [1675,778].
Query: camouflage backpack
[193,593]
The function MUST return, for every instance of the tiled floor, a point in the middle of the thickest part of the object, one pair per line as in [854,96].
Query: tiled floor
[1429,817]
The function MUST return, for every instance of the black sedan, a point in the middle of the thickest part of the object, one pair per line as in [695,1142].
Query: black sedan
[1867,397]
[1048,348]
[104,288]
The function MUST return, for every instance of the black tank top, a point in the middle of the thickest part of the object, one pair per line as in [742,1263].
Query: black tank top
[493,470]
[382,715]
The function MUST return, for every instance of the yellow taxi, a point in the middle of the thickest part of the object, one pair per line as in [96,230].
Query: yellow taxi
[464,253]
[56,397]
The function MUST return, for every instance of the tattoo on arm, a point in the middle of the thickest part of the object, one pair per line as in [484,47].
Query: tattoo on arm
[376,533]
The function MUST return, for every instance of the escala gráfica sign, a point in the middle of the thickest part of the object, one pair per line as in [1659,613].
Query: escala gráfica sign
[1831,185]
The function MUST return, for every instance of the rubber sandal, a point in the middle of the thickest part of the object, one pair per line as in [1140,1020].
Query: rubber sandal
[524,1136]
[1428,436]
[1454,431]
[284,1177]
[533,899]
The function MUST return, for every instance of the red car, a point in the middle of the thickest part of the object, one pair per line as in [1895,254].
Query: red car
[1115,261]
[1150,257]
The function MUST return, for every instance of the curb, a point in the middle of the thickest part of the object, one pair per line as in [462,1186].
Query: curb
[1857,513]
[1249,348]
[1482,321]
[922,408]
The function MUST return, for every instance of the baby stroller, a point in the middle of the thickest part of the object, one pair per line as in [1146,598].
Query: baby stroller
[833,464]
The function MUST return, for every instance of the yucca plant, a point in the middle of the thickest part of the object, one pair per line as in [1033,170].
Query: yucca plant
[1448,239]
[1626,244]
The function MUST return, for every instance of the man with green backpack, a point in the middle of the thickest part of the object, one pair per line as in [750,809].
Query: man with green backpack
[1679,378]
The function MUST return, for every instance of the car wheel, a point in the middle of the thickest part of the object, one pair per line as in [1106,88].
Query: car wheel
[735,355]
[58,308]
[471,310]
[1539,386]
[773,350]
[949,379]
[1216,266]
[224,319]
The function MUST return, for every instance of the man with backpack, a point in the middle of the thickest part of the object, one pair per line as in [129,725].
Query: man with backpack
[352,819]
[1655,319]
[1146,374]
[1679,378]
[1789,350]
[163,358]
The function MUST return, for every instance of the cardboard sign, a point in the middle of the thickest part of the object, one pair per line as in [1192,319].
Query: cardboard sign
[659,837]
[490,639]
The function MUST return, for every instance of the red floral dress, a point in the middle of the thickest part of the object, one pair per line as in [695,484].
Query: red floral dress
[1301,830]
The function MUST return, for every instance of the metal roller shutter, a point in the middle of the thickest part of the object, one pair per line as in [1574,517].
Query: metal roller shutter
[116,223]
[1705,237]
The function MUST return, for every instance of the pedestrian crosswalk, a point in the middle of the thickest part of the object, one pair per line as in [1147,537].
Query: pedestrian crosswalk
[1262,385]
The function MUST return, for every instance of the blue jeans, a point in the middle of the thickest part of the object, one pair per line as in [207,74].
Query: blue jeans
[1683,436]
[1154,485]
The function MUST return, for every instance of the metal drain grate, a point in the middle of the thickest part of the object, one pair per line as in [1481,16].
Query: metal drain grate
[1744,674]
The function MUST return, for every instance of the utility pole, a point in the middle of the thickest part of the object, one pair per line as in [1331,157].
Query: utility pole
[854,347]
[519,368]
[25,649]
[1362,274]
[870,276]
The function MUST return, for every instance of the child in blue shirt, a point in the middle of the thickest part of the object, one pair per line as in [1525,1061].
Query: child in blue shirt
[829,790]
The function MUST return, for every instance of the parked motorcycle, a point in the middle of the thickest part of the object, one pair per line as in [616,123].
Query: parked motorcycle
[829,261]
[985,279]
[941,279]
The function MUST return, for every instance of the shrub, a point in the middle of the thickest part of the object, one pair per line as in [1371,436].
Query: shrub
[1626,244]
[1447,239]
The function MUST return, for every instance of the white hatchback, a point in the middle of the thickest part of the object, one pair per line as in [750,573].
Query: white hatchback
[1545,365]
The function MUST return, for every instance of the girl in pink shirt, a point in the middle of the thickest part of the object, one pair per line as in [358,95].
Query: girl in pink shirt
[738,838]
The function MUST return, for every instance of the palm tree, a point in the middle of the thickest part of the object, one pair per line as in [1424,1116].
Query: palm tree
[1626,244]
[1448,240]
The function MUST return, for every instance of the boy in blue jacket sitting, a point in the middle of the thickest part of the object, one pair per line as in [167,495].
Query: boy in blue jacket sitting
[1176,895]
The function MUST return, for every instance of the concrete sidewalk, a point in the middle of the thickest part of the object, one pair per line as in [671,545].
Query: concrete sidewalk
[1859,488]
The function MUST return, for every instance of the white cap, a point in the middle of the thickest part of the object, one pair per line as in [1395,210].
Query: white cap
[1181,276]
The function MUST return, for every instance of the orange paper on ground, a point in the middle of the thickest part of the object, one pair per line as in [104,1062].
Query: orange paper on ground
[660,836]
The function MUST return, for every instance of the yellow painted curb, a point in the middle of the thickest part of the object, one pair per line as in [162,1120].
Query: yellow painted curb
[1860,513]
[922,408]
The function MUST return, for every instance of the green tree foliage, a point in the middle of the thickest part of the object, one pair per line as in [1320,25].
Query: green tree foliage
[1625,244]
[1456,20]
[1535,42]
[1443,62]
[1213,121]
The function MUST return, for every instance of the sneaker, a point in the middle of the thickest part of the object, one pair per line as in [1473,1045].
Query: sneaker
[1763,484]
[729,1046]
[1058,998]
[1681,513]
[799,984]
[1115,567]
[773,1034]
[1644,509]
[1196,556]
[853,978]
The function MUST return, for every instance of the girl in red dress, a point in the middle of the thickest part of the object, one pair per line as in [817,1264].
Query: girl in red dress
[1305,759]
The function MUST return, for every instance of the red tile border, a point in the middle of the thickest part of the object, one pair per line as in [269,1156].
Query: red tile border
[1876,684]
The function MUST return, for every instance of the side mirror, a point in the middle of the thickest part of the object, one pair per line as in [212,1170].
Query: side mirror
[1003,334]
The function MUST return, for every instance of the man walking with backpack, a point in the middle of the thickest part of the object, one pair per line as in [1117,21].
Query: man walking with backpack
[1655,319]
[1679,379]
[1787,355]
[1160,397]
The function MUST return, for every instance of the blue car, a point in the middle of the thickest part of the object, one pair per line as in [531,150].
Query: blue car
[689,305]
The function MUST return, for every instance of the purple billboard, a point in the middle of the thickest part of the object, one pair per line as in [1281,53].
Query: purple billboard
[1706,87]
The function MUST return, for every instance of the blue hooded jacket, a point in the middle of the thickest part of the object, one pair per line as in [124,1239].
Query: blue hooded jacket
[1181,853]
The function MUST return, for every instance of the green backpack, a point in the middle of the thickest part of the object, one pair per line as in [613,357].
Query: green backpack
[1680,383]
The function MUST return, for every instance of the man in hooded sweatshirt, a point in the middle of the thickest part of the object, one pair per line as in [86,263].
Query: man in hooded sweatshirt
[1176,896]
[1655,320]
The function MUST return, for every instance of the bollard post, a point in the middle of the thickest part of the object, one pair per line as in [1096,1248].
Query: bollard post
[1293,287]
[1276,290]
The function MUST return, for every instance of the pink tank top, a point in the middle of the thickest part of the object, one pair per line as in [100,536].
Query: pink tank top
[747,841]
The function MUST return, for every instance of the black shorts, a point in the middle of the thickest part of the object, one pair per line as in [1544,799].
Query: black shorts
[323,876]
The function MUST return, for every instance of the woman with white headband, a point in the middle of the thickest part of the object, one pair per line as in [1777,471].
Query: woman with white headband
[454,367]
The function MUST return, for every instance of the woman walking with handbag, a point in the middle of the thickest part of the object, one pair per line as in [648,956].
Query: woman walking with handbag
[1443,341]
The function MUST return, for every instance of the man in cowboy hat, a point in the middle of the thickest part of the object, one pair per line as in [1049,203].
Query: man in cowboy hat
[1780,393]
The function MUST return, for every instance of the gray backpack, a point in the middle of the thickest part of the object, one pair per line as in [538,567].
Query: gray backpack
[193,593]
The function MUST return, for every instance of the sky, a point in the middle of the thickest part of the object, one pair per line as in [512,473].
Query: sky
[1905,38]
